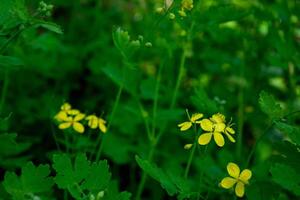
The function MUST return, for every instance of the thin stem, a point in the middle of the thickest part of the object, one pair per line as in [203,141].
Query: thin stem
[4,90]
[256,143]
[144,175]
[155,101]
[179,78]
[9,40]
[240,114]
[117,101]
[188,166]
[202,172]
[65,195]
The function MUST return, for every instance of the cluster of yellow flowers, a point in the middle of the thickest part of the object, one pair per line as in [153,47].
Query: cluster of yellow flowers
[186,5]
[216,126]
[69,117]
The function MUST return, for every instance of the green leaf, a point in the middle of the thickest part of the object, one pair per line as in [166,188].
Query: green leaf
[10,61]
[12,13]
[33,180]
[202,102]
[269,105]
[286,177]
[158,175]
[49,26]
[10,148]
[80,176]
[292,131]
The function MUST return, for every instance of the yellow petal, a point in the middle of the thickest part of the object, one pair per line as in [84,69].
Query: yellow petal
[219,139]
[61,116]
[204,138]
[245,175]
[230,137]
[102,121]
[188,146]
[66,106]
[185,126]
[73,112]
[219,127]
[102,127]
[233,170]
[240,189]
[206,125]
[79,117]
[196,116]
[93,122]
[228,182]
[78,127]
[218,118]
[229,130]
[65,125]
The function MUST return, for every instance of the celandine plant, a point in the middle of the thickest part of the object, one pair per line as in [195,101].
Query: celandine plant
[97,102]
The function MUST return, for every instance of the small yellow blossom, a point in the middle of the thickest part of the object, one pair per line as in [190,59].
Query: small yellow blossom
[172,16]
[187,4]
[182,13]
[159,10]
[188,146]
[218,118]
[74,122]
[193,120]
[65,107]
[95,122]
[212,129]
[240,179]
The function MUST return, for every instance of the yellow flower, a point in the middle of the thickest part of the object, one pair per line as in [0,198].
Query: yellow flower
[218,118]
[94,122]
[213,129]
[61,116]
[187,4]
[182,13]
[240,179]
[188,146]
[193,120]
[65,110]
[74,122]
[65,107]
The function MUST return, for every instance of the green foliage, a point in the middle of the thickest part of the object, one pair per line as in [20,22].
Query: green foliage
[269,106]
[10,150]
[33,181]
[158,174]
[287,177]
[137,66]
[81,176]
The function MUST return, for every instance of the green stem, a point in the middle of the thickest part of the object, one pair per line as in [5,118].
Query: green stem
[144,175]
[4,90]
[188,166]
[9,40]
[117,101]
[65,195]
[202,172]
[155,101]
[179,78]
[256,143]
[240,123]
[240,115]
